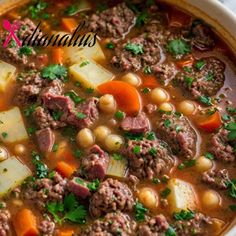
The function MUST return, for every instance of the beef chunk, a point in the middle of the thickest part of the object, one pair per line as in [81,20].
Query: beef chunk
[115,223]
[198,225]
[13,53]
[221,147]
[153,226]
[44,119]
[30,86]
[113,23]
[79,187]
[150,108]
[94,165]
[137,53]
[148,158]
[111,196]
[4,222]
[202,37]
[45,138]
[216,178]
[177,132]
[202,81]
[44,190]
[46,227]
[137,124]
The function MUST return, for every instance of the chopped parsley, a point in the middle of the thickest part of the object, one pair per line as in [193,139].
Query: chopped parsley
[71,10]
[147,70]
[55,147]
[167,123]
[110,45]
[209,76]
[136,149]
[187,164]
[178,47]
[80,115]
[184,215]
[226,117]
[232,207]
[142,19]
[41,168]
[140,211]
[131,136]
[89,90]
[54,71]
[25,50]
[187,69]
[78,153]
[84,63]
[30,110]
[231,127]
[170,232]
[205,100]
[156,181]
[188,81]
[153,151]
[74,97]
[93,186]
[134,48]
[4,134]
[56,115]
[31,130]
[68,210]
[165,192]
[150,135]
[231,110]
[199,64]
[231,184]
[36,10]
[119,115]
[117,156]
[209,156]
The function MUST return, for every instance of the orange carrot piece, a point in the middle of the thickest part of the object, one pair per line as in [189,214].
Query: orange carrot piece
[57,56]
[186,62]
[212,123]
[150,81]
[65,233]
[25,223]
[127,96]
[65,169]
[178,18]
[69,24]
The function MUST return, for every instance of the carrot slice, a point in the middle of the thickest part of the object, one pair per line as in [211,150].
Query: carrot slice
[150,81]
[127,97]
[65,233]
[69,24]
[65,169]
[187,62]
[178,18]
[25,223]
[57,56]
[212,123]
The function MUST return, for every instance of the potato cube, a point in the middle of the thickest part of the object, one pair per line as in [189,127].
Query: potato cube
[6,74]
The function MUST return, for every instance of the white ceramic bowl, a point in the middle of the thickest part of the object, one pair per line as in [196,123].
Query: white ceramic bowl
[212,11]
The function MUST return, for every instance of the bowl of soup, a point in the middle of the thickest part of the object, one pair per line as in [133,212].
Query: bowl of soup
[117,118]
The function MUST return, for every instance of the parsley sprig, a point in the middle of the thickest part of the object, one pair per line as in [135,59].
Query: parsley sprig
[54,71]
[184,215]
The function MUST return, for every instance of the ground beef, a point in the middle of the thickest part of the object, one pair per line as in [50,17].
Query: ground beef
[216,178]
[4,222]
[46,139]
[196,226]
[44,119]
[12,53]
[94,165]
[150,108]
[113,23]
[202,37]
[206,81]
[30,85]
[46,227]
[153,226]
[136,124]
[221,147]
[115,223]
[43,190]
[149,53]
[148,158]
[178,133]
[111,196]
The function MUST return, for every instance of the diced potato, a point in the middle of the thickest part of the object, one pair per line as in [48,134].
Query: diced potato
[89,73]
[12,127]
[117,167]
[13,173]
[182,195]
[6,74]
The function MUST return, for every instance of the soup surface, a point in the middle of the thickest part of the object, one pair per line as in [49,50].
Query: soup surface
[116,118]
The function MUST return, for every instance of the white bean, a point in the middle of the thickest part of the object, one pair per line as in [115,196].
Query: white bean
[107,103]
[166,106]
[148,197]
[203,164]
[85,138]
[3,154]
[101,132]
[211,199]
[159,95]
[187,107]
[113,142]
[132,79]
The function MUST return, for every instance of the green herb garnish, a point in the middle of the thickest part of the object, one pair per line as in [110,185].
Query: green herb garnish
[184,215]
[54,71]
[140,211]
[165,192]
[134,48]
[178,47]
